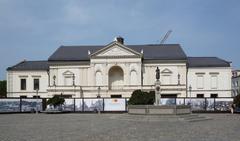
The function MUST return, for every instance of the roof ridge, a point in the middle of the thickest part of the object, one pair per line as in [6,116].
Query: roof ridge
[124,44]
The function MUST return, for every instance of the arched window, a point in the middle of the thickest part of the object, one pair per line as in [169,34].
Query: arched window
[99,80]
[133,77]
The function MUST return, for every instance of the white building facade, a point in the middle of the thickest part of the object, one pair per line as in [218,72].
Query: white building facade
[116,70]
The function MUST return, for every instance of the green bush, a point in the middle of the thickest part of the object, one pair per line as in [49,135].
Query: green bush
[142,98]
[236,100]
[56,101]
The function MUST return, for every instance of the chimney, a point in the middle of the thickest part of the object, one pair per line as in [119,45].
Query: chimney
[119,39]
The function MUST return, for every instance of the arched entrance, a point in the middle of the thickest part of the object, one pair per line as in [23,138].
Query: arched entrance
[116,78]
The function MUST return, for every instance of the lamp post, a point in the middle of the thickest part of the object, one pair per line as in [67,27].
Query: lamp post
[179,79]
[81,92]
[54,83]
[190,93]
[73,80]
[37,100]
[74,83]
[98,95]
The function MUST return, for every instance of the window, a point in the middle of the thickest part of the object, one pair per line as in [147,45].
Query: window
[200,95]
[116,96]
[36,96]
[214,95]
[23,96]
[200,81]
[168,96]
[214,81]
[36,84]
[23,84]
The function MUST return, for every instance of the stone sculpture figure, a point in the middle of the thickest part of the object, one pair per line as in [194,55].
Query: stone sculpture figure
[157,73]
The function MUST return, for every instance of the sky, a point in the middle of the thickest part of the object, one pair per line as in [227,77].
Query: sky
[33,30]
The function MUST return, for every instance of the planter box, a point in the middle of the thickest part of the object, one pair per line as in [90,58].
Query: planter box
[159,110]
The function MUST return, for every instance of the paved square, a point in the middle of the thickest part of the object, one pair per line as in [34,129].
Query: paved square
[117,127]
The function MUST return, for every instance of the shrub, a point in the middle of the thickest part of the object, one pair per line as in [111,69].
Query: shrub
[139,97]
[56,101]
[236,100]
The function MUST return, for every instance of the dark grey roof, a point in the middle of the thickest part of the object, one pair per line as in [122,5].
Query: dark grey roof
[30,65]
[156,51]
[207,62]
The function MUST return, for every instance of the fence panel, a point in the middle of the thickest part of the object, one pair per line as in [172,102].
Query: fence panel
[118,104]
[109,104]
[78,105]
[210,104]
[168,101]
[30,105]
[223,104]
[93,104]
[180,101]
[198,104]
[68,105]
[9,105]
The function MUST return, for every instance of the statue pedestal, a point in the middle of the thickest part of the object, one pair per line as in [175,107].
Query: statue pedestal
[157,93]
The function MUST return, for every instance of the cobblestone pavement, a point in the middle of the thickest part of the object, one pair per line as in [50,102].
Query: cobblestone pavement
[116,127]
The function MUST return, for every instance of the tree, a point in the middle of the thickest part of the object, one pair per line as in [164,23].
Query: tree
[56,100]
[139,97]
[3,88]
[236,100]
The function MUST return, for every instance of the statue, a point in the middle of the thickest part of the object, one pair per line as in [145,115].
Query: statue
[157,88]
[157,73]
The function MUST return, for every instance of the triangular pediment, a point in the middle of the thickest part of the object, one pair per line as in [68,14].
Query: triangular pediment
[67,73]
[116,49]
[166,71]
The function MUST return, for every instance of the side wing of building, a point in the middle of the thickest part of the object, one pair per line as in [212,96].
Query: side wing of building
[27,78]
[209,77]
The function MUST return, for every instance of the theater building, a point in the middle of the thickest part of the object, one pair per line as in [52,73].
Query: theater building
[116,70]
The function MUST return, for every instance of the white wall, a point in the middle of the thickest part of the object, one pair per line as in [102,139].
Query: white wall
[149,72]
[14,78]
[223,81]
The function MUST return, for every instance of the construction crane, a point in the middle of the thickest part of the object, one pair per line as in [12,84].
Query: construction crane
[166,36]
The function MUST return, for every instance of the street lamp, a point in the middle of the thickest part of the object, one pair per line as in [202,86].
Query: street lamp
[73,80]
[179,79]
[98,95]
[74,83]
[37,100]
[81,92]
[54,83]
[54,80]
[190,92]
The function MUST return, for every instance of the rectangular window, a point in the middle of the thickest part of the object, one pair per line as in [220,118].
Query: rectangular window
[23,84]
[200,95]
[116,96]
[214,95]
[36,84]
[23,96]
[200,81]
[214,81]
